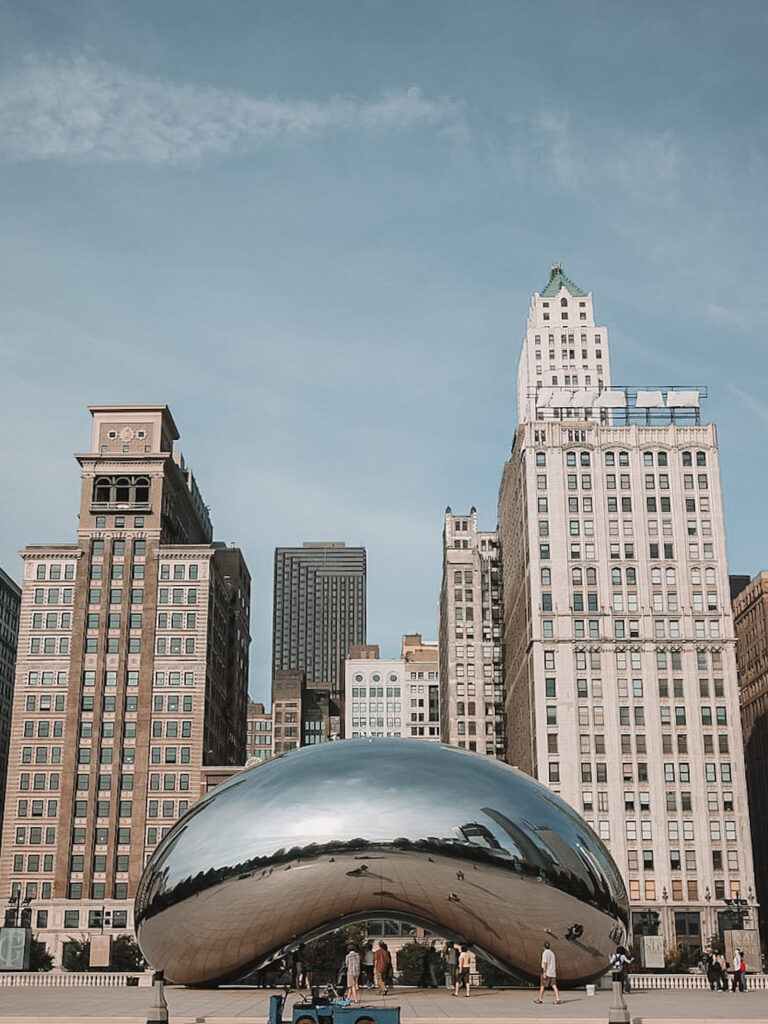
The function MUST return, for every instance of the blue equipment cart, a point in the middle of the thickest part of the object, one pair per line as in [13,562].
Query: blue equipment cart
[324,1011]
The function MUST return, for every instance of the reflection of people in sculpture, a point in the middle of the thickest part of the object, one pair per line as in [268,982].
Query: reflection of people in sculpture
[353,973]
[380,961]
[548,974]
[465,967]
[389,973]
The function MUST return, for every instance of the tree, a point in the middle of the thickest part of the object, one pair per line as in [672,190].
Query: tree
[126,955]
[39,957]
[76,955]
[411,960]
[326,954]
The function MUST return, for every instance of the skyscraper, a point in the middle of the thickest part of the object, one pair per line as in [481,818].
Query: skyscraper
[471,667]
[131,675]
[10,602]
[620,673]
[319,613]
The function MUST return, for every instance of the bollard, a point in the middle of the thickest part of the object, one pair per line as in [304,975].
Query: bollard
[158,1011]
[618,1013]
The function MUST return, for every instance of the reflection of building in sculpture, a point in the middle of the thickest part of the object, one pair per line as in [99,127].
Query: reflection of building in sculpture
[750,614]
[132,674]
[319,613]
[10,602]
[471,673]
[619,650]
[392,696]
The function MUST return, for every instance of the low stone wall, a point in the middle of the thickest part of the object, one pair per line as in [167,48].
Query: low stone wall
[74,979]
[644,982]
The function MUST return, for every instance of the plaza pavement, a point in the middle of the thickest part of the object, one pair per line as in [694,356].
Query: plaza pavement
[418,1006]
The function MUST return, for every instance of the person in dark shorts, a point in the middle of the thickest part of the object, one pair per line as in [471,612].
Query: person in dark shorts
[548,974]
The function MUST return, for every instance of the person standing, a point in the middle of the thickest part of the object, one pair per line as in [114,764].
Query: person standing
[738,971]
[368,964]
[451,959]
[380,961]
[714,970]
[353,973]
[463,976]
[620,965]
[548,974]
[723,975]
[433,963]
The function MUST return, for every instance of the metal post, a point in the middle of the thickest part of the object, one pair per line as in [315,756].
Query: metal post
[618,1013]
[158,1011]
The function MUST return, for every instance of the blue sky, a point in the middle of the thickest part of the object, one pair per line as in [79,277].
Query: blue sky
[313,229]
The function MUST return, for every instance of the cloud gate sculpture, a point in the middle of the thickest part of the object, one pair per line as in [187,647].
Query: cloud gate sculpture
[364,829]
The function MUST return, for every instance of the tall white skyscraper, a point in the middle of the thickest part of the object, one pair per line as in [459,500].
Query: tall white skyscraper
[620,673]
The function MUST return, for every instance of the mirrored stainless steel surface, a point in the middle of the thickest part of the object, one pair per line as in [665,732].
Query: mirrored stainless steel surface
[361,829]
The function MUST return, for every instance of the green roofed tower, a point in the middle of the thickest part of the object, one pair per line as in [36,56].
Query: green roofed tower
[564,352]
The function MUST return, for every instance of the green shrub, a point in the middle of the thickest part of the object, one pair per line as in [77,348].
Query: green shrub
[126,955]
[76,955]
[411,962]
[39,957]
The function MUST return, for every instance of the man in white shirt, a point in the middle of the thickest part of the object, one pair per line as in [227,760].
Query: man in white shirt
[548,974]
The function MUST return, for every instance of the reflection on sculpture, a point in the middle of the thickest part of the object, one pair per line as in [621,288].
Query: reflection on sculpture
[361,829]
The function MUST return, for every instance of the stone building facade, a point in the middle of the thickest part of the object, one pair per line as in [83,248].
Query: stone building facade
[470,638]
[393,696]
[620,670]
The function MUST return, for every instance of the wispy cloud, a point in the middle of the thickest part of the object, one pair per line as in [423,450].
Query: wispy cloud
[584,153]
[82,108]
[757,406]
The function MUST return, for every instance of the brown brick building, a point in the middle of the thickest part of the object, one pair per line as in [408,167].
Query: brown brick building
[750,617]
[131,676]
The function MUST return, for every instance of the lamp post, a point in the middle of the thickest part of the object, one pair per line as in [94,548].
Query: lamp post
[16,908]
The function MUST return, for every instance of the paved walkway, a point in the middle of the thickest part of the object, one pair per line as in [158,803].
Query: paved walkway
[485,1006]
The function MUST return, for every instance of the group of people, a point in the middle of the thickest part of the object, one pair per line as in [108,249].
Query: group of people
[717,971]
[373,968]
[374,964]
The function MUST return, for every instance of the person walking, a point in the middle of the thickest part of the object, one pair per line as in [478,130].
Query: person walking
[380,962]
[353,973]
[463,976]
[548,974]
